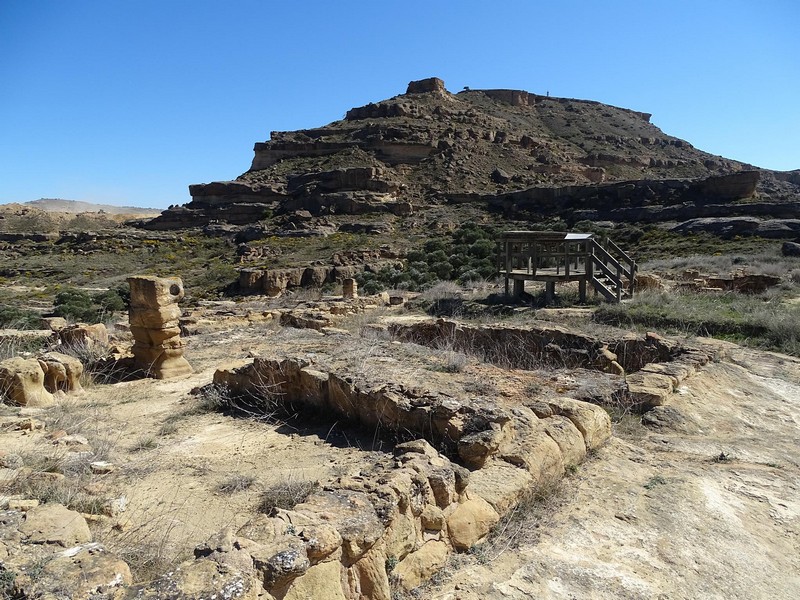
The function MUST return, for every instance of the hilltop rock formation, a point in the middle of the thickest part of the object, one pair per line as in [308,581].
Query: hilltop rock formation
[525,153]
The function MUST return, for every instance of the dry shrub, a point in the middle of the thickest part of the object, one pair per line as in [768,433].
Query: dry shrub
[236,483]
[519,525]
[286,493]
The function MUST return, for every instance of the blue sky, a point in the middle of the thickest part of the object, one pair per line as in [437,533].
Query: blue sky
[129,102]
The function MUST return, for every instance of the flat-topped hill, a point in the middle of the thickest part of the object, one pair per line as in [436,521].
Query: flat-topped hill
[429,146]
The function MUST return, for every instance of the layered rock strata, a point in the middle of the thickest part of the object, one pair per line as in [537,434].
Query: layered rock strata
[522,152]
[154,321]
[404,518]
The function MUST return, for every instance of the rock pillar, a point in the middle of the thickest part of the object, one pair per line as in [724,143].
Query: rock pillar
[154,313]
[349,288]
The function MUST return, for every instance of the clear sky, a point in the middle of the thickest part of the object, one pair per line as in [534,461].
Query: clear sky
[130,101]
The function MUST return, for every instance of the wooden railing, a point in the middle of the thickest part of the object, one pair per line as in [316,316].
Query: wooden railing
[618,276]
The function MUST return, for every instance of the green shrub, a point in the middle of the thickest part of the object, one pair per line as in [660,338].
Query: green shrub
[78,305]
[17,318]
[467,254]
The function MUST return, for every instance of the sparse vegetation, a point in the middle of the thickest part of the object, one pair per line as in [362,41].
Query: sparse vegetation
[237,482]
[286,493]
[78,305]
[752,320]
[146,442]
[468,254]
[12,317]
[655,481]
[519,524]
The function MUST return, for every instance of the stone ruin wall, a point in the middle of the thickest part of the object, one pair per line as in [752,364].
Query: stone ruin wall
[471,463]
[652,366]
[412,512]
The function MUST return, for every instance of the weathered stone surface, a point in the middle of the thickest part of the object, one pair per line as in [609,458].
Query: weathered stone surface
[669,418]
[201,578]
[592,421]
[154,314]
[61,372]
[424,86]
[54,323]
[354,517]
[84,335]
[370,577]
[323,580]
[22,382]
[417,568]
[790,249]
[470,522]
[85,572]
[500,484]
[729,227]
[649,389]
[568,438]
[432,518]
[55,524]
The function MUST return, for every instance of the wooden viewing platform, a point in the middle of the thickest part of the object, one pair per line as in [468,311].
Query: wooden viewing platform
[556,256]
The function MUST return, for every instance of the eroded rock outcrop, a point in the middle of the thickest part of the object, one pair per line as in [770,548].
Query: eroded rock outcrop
[22,382]
[515,150]
[154,322]
[404,517]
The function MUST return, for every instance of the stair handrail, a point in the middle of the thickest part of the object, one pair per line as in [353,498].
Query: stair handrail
[630,273]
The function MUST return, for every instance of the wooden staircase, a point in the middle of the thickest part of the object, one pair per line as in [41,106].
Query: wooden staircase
[611,271]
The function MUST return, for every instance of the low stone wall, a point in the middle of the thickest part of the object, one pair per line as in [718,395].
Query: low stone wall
[273,282]
[653,366]
[405,517]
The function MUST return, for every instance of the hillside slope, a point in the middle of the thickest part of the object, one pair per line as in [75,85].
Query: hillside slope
[526,155]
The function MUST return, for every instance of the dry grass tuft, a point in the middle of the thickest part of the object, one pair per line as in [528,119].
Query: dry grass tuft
[286,493]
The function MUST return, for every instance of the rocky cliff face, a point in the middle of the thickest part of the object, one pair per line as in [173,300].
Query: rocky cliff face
[504,147]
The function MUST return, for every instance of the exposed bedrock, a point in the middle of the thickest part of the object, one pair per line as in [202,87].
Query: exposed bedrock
[638,200]
[410,513]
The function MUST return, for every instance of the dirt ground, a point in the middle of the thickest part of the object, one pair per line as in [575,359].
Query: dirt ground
[704,506]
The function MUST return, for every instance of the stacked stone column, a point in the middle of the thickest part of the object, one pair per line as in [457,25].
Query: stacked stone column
[154,314]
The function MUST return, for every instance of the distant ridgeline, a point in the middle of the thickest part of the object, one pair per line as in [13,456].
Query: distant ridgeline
[526,155]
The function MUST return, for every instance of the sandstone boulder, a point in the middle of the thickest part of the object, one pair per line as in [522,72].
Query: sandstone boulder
[22,382]
[82,334]
[61,372]
[201,578]
[424,86]
[417,568]
[55,524]
[592,421]
[647,390]
[323,580]
[790,249]
[84,572]
[470,522]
